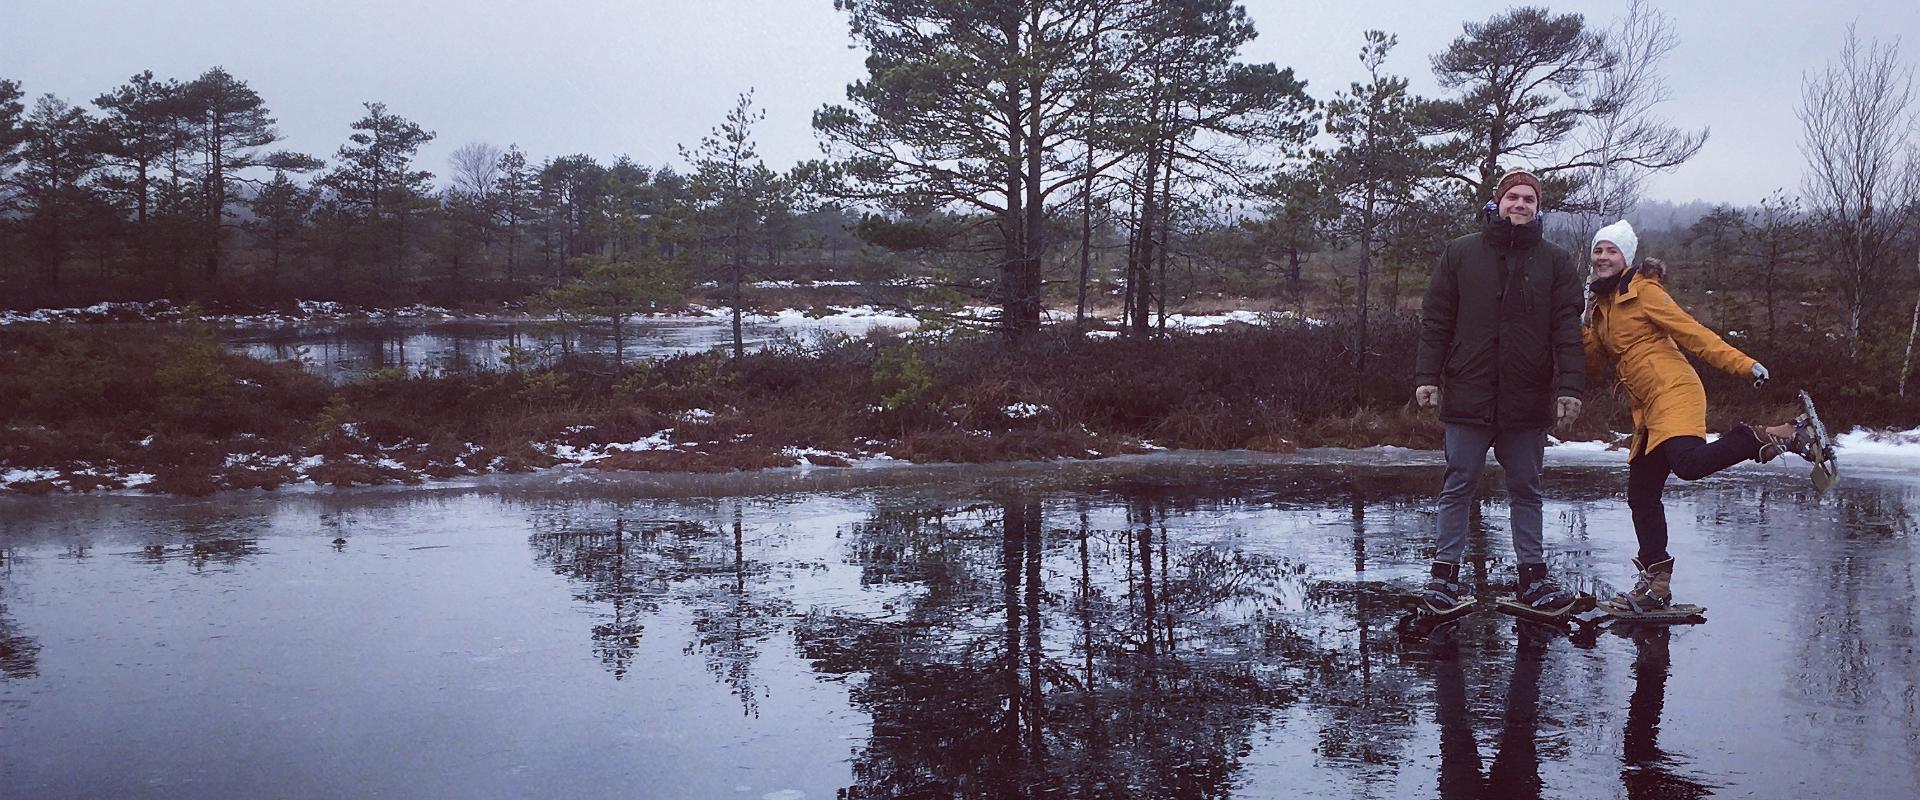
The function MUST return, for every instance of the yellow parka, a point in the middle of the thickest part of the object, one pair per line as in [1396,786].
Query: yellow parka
[1641,330]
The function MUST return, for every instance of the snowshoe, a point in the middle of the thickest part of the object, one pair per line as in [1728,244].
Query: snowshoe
[1442,600]
[1444,596]
[1424,620]
[1539,597]
[1677,614]
[1512,605]
[1819,445]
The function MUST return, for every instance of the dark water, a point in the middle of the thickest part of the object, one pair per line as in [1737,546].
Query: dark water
[1158,628]
[349,350]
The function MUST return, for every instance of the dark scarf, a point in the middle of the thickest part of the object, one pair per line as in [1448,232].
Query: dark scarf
[1613,285]
[1507,236]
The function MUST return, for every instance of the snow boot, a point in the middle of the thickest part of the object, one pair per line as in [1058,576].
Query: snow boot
[1540,593]
[1801,443]
[1443,593]
[1652,589]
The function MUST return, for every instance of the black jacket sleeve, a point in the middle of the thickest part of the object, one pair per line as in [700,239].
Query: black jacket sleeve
[1569,353]
[1437,314]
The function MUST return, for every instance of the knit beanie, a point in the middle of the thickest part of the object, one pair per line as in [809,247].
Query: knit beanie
[1622,236]
[1516,176]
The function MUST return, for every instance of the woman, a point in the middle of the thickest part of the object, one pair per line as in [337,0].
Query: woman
[1635,325]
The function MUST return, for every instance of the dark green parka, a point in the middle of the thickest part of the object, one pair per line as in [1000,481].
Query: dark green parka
[1500,328]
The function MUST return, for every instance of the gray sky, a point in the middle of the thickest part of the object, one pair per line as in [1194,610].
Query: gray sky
[640,77]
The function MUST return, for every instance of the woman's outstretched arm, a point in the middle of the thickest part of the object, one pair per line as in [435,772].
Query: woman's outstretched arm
[1692,336]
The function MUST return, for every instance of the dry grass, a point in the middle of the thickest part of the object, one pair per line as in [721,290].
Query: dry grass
[179,408]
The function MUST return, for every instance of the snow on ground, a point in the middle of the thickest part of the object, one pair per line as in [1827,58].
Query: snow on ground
[862,316]
[166,311]
[1591,447]
[1191,321]
[1876,449]
[659,440]
[1025,410]
[847,317]
[1879,444]
[23,475]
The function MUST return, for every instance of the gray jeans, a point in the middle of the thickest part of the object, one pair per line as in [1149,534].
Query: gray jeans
[1519,452]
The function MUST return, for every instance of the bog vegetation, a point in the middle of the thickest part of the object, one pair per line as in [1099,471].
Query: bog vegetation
[1074,165]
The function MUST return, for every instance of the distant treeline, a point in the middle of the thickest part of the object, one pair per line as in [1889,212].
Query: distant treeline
[1034,154]
[172,188]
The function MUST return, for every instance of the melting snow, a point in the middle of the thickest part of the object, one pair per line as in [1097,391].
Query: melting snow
[1024,410]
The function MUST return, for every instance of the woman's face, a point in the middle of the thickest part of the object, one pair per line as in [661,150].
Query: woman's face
[1608,261]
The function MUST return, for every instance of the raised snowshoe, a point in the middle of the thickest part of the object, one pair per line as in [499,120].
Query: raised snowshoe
[1819,445]
[1809,441]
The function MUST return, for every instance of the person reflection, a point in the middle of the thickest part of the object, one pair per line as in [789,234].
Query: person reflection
[1516,764]
[1646,771]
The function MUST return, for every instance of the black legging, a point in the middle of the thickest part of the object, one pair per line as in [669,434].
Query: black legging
[1689,457]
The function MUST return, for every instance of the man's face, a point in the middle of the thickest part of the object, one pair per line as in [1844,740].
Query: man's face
[1520,204]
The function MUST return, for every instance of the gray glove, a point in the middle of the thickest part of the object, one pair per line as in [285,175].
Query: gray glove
[1566,410]
[1760,375]
[1427,396]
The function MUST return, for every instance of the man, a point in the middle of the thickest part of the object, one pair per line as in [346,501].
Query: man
[1500,358]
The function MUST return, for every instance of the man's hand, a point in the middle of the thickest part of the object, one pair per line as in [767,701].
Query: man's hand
[1566,410]
[1760,375]
[1427,396]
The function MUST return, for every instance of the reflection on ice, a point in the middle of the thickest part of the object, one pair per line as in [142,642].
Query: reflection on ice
[1168,626]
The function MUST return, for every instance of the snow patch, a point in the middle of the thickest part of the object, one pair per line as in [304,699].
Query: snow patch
[22,475]
[1025,410]
[1587,447]
[660,440]
[1865,442]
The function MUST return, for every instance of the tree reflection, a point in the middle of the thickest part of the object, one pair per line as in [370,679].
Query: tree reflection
[634,571]
[1143,640]
[19,654]
[600,559]
[200,552]
[1092,695]
[1854,601]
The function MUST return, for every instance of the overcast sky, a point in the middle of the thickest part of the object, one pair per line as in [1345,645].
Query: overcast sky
[640,77]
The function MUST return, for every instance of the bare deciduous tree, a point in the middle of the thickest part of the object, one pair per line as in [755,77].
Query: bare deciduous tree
[1913,219]
[473,168]
[1857,116]
[1624,142]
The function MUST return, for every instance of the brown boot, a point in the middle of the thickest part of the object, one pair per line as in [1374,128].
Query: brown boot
[1652,589]
[1794,437]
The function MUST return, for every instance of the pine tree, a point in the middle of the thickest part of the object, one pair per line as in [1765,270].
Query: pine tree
[230,124]
[142,126]
[971,104]
[737,196]
[54,193]
[513,190]
[375,179]
[280,213]
[1376,167]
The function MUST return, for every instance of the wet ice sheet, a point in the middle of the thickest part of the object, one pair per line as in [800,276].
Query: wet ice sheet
[1164,626]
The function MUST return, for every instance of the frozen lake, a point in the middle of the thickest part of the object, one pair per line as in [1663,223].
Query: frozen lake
[349,349]
[1167,626]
